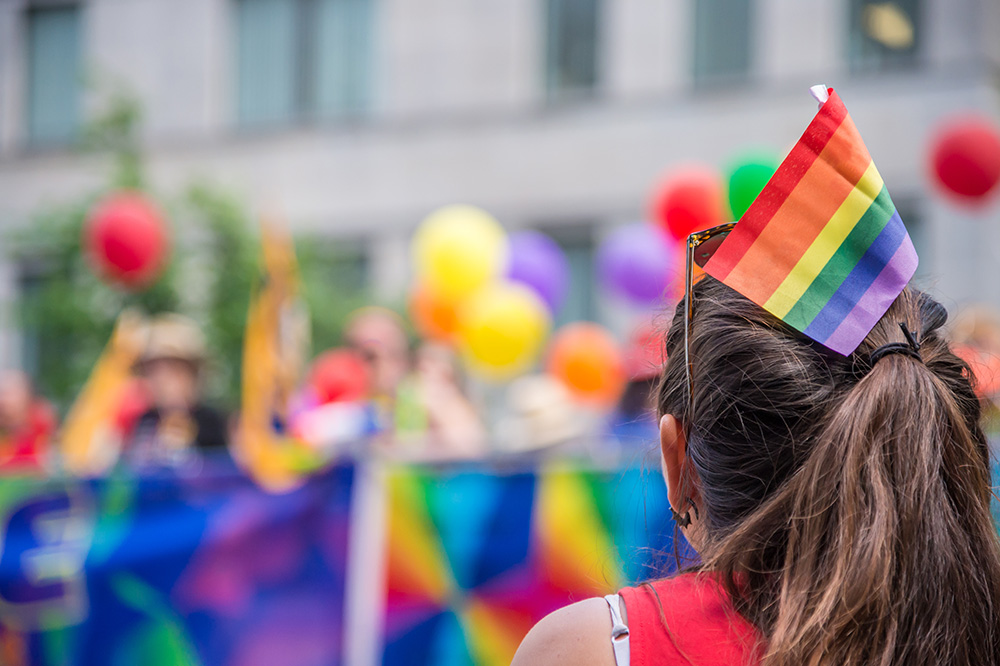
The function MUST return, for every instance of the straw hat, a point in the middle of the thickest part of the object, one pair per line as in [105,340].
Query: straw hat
[541,414]
[174,336]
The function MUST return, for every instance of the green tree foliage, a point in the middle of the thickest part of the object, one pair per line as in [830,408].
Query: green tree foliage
[333,286]
[67,312]
[228,269]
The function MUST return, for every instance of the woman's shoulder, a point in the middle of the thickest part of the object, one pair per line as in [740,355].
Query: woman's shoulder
[576,634]
[684,619]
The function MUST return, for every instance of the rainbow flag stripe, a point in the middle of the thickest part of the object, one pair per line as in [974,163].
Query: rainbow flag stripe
[822,248]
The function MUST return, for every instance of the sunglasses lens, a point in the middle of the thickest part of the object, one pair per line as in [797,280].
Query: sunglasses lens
[704,251]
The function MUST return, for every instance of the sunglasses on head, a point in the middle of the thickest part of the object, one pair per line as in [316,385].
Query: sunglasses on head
[701,246]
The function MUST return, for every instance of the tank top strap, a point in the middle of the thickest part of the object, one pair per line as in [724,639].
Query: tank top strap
[619,631]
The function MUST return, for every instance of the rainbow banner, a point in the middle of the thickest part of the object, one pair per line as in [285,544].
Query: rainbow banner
[173,569]
[822,248]
[475,559]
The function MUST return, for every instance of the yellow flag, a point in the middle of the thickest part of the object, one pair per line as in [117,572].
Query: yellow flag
[274,348]
[90,443]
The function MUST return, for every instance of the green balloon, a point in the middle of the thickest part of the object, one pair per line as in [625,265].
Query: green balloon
[746,180]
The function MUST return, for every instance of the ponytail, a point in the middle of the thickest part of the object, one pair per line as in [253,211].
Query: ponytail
[892,555]
[879,546]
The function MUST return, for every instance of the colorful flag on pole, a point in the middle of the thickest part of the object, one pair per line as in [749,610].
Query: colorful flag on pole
[274,349]
[822,247]
[90,440]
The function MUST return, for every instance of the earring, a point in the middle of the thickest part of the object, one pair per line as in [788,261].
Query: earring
[684,519]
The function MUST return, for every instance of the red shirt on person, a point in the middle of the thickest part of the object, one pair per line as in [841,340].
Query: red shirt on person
[26,448]
[687,620]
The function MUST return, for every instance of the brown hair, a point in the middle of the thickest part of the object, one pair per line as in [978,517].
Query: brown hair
[846,512]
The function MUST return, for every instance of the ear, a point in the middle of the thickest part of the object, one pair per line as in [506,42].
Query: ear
[673,449]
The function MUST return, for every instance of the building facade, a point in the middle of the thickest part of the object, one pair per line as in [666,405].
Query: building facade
[355,118]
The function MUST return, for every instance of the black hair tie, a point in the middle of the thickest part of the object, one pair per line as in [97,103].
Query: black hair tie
[909,348]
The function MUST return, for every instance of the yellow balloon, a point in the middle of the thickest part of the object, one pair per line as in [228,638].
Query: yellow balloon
[502,330]
[459,249]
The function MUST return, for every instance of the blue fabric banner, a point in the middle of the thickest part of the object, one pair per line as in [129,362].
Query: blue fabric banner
[163,570]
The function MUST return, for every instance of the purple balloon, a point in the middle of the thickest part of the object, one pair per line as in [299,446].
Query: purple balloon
[636,262]
[537,261]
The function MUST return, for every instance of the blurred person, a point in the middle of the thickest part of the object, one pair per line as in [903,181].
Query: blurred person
[378,335]
[976,336]
[177,423]
[977,326]
[450,425]
[975,333]
[633,424]
[419,399]
[540,414]
[27,423]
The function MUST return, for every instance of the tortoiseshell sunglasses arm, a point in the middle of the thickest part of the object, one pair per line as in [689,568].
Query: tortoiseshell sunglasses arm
[693,241]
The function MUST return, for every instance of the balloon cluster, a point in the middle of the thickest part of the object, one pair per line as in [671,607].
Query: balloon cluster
[491,295]
[639,262]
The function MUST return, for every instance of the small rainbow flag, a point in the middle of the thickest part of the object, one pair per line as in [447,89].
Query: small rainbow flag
[822,248]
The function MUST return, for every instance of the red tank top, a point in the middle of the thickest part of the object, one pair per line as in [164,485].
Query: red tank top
[697,625]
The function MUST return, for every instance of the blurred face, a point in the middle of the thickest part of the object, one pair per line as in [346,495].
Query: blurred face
[15,400]
[436,362]
[172,383]
[379,340]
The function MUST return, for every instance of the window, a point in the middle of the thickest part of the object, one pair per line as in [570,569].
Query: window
[343,64]
[722,31]
[54,74]
[301,60]
[581,297]
[267,61]
[571,47]
[884,35]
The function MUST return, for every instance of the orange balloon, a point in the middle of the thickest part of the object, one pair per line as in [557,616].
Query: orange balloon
[435,316]
[586,358]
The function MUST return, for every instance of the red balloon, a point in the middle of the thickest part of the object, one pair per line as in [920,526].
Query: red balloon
[965,158]
[688,201]
[339,375]
[126,239]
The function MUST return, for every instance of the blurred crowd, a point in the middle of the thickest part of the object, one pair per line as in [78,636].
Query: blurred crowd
[377,394]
